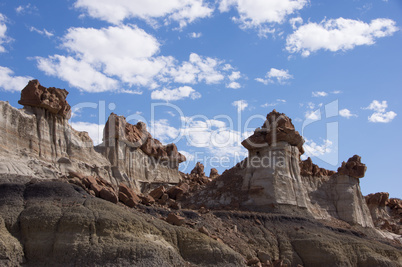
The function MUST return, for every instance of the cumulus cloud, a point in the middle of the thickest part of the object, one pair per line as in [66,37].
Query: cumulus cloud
[346,113]
[275,76]
[126,56]
[337,34]
[261,14]
[199,69]
[380,114]
[319,94]
[95,131]
[312,149]
[10,82]
[115,12]
[26,9]
[175,94]
[233,85]
[240,104]
[3,29]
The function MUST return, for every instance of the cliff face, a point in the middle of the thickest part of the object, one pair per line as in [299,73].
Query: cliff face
[37,141]
[136,156]
[273,178]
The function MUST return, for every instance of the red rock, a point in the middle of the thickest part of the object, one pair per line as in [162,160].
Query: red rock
[147,200]
[108,194]
[132,198]
[175,219]
[52,99]
[175,191]
[164,198]
[377,199]
[353,167]
[308,168]
[158,192]
[277,128]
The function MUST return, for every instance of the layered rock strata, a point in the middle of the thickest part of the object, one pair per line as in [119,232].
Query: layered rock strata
[37,141]
[273,178]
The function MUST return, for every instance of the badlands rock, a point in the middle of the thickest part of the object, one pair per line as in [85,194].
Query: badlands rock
[136,157]
[353,167]
[52,99]
[272,178]
[38,141]
[213,173]
[277,128]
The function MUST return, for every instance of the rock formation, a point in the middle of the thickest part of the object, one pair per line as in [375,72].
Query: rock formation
[65,203]
[136,157]
[38,141]
[386,212]
[273,178]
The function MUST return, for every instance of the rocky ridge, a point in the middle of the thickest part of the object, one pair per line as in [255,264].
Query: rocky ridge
[64,202]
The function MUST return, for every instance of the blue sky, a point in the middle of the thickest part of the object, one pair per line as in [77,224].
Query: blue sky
[204,74]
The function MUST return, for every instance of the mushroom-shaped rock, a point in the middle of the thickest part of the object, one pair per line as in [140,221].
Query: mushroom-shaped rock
[277,128]
[353,167]
[52,99]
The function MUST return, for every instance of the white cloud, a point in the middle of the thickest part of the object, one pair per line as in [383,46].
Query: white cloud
[346,113]
[233,85]
[240,104]
[295,21]
[181,11]
[43,32]
[189,156]
[9,82]
[165,133]
[313,115]
[175,94]
[336,92]
[319,94]
[312,149]
[337,34]
[79,74]
[275,76]
[261,14]
[3,29]
[95,131]
[126,56]
[27,9]
[382,117]
[201,69]
[273,104]
[235,76]
[195,35]
[380,114]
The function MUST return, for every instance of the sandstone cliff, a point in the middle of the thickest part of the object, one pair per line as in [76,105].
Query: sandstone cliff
[37,141]
[273,178]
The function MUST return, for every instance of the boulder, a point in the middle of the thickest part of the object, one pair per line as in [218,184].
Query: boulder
[353,167]
[175,219]
[157,192]
[127,196]
[52,99]
[277,128]
[198,170]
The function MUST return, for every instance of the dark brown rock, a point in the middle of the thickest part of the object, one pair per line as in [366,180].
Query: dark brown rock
[198,170]
[175,219]
[277,128]
[108,194]
[175,191]
[378,199]
[127,196]
[213,173]
[158,192]
[308,168]
[52,99]
[353,167]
